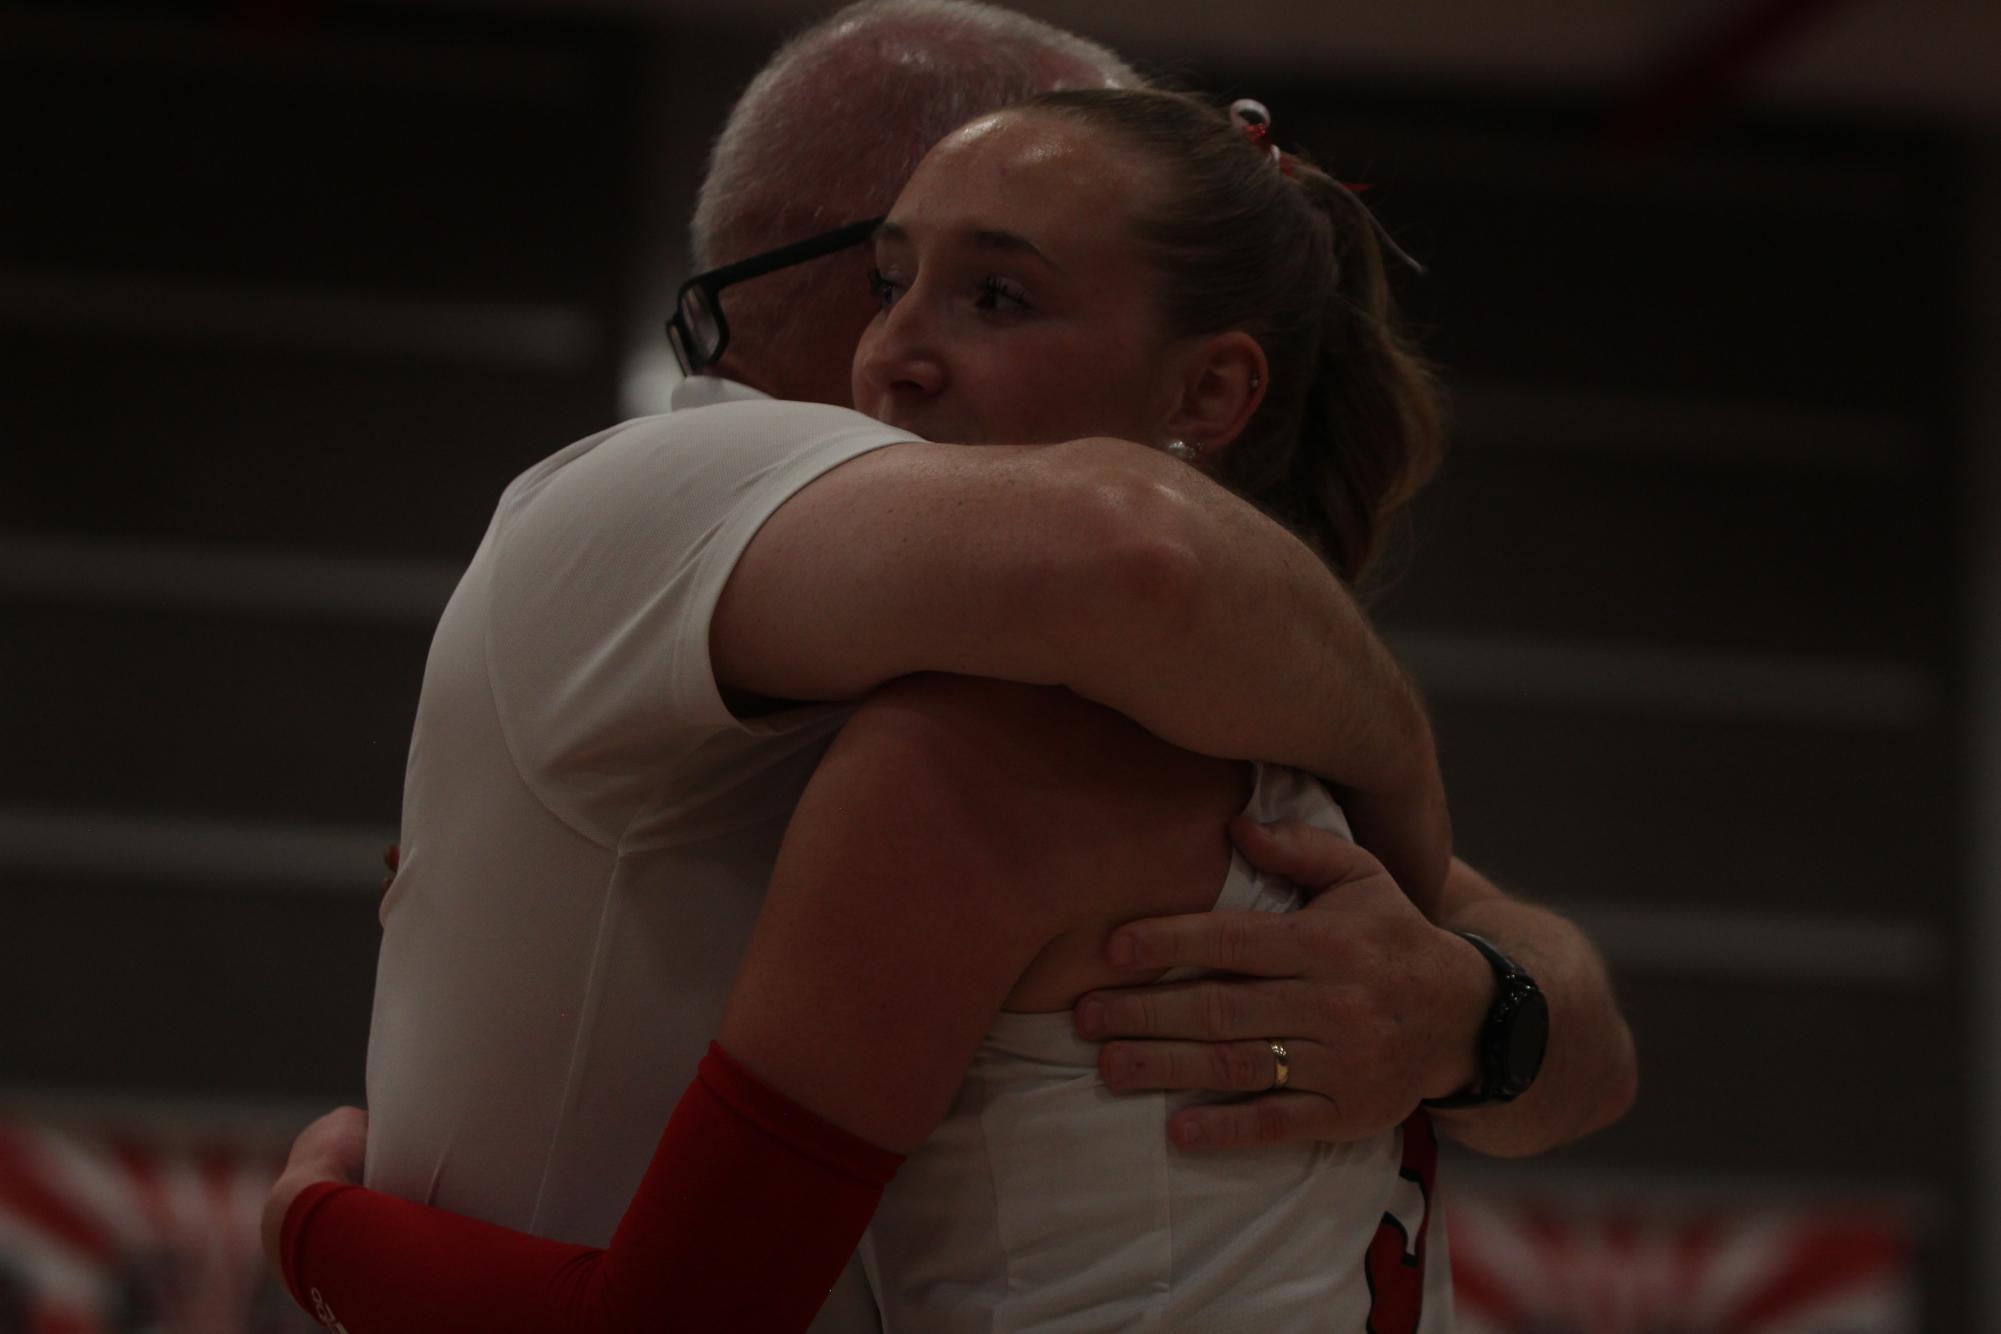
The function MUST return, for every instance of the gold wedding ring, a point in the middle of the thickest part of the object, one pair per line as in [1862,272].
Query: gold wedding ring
[1284,1071]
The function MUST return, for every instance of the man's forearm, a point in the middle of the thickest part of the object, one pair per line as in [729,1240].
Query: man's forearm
[1248,647]
[1102,566]
[1589,1073]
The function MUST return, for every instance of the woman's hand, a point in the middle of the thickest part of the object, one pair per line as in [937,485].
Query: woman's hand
[330,1149]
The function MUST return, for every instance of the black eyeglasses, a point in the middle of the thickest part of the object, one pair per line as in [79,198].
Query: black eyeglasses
[697,330]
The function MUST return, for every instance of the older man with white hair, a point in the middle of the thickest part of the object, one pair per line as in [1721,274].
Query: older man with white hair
[615,723]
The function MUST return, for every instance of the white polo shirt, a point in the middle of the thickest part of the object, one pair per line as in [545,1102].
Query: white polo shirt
[587,829]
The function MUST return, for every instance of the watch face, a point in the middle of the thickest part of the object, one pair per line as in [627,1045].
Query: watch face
[1528,1037]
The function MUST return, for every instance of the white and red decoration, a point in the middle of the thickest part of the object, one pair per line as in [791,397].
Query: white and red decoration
[105,1232]
[110,1233]
[1562,1265]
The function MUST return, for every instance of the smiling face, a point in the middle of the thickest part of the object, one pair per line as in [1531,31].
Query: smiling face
[1015,308]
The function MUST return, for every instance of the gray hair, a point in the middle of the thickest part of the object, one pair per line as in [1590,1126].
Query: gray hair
[838,119]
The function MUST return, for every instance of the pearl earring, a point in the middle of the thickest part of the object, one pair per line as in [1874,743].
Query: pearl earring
[1186,450]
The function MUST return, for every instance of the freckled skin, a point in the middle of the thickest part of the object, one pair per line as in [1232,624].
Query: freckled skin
[984,343]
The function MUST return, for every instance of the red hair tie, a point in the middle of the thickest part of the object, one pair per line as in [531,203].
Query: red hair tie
[1249,115]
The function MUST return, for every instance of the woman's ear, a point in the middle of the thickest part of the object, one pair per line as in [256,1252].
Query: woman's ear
[1224,379]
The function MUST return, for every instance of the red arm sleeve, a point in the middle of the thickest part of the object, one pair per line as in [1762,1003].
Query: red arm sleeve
[743,1221]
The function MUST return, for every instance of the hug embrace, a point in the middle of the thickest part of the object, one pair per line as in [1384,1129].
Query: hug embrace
[921,835]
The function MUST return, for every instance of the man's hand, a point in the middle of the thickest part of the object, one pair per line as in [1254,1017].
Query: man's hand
[330,1149]
[1377,1007]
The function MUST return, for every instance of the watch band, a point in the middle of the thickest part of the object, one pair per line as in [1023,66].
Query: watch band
[1512,1038]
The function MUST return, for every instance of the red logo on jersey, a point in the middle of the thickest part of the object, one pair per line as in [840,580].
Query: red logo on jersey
[1395,1264]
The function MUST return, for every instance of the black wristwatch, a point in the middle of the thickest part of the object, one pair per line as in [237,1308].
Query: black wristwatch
[1512,1039]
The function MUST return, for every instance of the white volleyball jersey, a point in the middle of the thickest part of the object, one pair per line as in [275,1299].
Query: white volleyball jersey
[1046,1202]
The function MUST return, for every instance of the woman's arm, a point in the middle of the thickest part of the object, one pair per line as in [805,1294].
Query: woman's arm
[743,1221]
[954,829]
